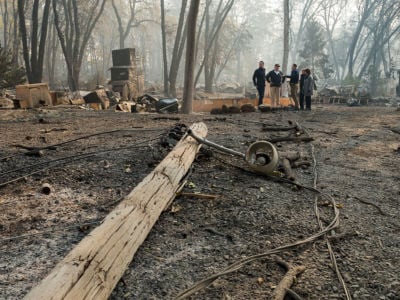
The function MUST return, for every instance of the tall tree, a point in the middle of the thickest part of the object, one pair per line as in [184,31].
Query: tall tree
[75,21]
[179,44]
[10,23]
[34,53]
[170,75]
[188,89]
[10,75]
[314,51]
[308,12]
[164,47]
[365,9]
[132,22]
[331,12]
[211,33]
[232,48]
[286,30]
[382,26]
[136,9]
[4,10]
[52,52]
[16,42]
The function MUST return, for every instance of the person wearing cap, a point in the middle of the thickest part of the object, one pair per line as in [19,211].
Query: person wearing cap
[275,79]
[259,81]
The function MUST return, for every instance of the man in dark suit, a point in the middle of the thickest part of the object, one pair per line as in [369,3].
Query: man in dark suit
[294,85]
[259,81]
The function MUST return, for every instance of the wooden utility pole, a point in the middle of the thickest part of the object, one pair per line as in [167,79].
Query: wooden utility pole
[188,89]
[93,268]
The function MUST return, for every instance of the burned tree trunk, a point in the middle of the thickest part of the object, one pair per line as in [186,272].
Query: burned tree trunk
[188,89]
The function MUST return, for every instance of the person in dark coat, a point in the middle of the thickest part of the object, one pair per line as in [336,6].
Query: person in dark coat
[259,81]
[308,88]
[275,79]
[302,77]
[294,85]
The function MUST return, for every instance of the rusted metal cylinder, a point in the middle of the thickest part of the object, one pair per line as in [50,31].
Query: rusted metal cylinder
[262,157]
[46,189]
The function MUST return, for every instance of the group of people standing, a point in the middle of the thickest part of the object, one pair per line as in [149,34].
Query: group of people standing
[275,78]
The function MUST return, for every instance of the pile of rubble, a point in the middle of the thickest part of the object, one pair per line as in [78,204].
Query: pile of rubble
[149,103]
[385,101]
[38,95]
[6,99]
[245,108]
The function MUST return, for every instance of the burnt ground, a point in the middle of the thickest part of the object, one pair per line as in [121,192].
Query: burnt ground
[357,163]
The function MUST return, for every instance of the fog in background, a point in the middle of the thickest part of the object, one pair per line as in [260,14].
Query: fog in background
[342,41]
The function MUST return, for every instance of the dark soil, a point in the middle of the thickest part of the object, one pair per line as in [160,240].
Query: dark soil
[357,157]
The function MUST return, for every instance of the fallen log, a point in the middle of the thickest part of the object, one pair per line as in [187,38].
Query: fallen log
[289,174]
[290,155]
[93,268]
[277,128]
[291,139]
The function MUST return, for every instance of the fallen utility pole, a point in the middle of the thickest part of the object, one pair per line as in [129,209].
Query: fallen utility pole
[93,268]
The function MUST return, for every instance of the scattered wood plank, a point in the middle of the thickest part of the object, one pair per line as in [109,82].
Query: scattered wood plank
[278,128]
[291,139]
[167,118]
[93,268]
[52,129]
[287,281]
[198,195]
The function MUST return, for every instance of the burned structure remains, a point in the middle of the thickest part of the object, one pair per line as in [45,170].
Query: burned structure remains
[127,76]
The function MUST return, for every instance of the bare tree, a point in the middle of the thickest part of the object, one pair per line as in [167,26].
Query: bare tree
[179,44]
[188,89]
[286,30]
[10,23]
[233,49]
[306,13]
[383,25]
[170,76]
[210,36]
[34,54]
[164,48]
[16,42]
[75,21]
[331,12]
[365,9]
[52,51]
[4,10]
[133,21]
